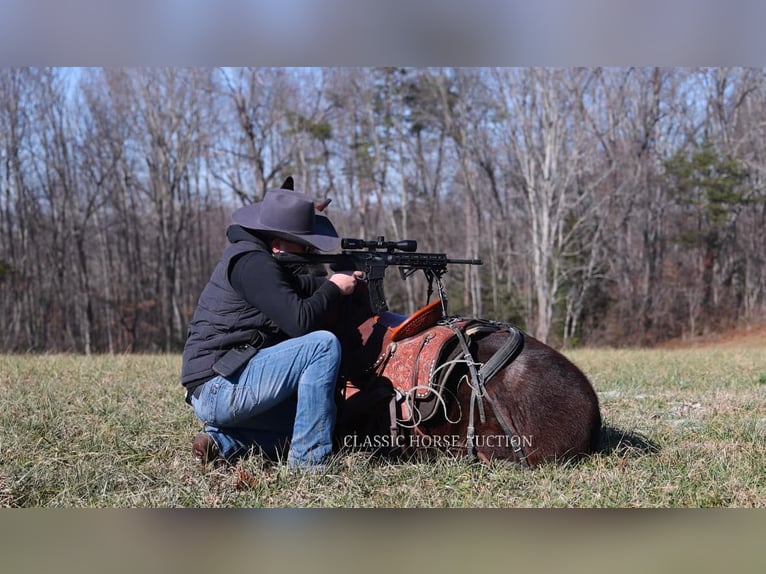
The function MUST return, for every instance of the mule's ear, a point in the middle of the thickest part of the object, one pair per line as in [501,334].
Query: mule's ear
[321,205]
[288,184]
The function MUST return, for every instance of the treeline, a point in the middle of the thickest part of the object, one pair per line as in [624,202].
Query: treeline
[610,206]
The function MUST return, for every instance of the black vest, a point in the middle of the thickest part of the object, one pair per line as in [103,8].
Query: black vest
[222,319]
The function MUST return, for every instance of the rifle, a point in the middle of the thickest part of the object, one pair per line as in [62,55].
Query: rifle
[373,257]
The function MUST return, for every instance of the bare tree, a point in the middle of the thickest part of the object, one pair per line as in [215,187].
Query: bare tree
[548,151]
[610,205]
[253,148]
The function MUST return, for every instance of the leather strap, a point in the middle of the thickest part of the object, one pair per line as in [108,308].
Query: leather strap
[502,357]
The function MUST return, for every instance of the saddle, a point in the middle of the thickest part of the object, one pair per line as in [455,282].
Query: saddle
[409,350]
[399,366]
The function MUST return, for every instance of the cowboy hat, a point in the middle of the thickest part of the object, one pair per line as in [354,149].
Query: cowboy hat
[290,215]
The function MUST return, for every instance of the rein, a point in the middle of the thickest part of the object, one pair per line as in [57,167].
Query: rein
[479,379]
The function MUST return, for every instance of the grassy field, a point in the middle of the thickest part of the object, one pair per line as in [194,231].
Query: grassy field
[113,431]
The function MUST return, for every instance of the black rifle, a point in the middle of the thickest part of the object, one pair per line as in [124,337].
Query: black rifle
[373,257]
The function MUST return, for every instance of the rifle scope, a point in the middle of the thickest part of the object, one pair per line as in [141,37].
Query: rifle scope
[379,243]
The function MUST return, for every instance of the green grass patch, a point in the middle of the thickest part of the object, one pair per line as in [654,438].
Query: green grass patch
[114,431]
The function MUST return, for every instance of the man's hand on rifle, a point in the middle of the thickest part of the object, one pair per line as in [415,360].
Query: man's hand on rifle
[346,280]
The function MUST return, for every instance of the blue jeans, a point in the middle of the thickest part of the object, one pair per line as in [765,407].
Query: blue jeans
[284,395]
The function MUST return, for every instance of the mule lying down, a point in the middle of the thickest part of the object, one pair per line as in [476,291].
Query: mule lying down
[426,384]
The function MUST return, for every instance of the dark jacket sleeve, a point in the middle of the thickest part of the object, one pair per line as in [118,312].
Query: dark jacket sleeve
[296,304]
[310,283]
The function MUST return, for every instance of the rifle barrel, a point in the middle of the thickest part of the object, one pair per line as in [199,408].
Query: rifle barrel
[466,261]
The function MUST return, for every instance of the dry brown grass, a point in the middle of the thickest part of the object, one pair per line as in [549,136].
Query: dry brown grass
[113,431]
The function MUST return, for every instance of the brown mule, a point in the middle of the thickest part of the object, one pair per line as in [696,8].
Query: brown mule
[420,384]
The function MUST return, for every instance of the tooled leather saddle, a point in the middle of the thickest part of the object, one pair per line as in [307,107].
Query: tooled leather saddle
[395,372]
[399,365]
